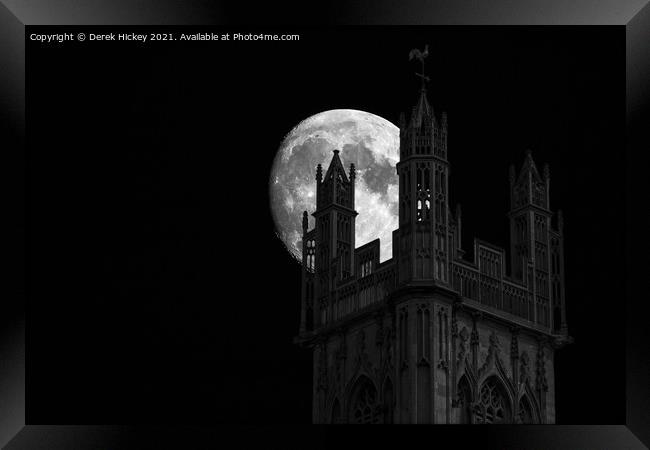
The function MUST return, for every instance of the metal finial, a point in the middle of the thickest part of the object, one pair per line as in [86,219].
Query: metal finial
[420,55]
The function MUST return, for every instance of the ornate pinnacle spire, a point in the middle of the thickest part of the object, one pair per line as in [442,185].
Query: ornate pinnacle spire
[336,164]
[305,222]
[319,173]
[528,166]
[421,110]
[353,172]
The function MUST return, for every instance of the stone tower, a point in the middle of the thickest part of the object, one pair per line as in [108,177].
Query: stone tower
[423,172]
[428,336]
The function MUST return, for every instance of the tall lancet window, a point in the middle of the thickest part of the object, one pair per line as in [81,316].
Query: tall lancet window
[423,194]
[403,335]
[440,208]
[311,254]
[465,400]
[423,334]
[405,193]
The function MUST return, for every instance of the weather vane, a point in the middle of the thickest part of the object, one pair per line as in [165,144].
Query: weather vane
[416,53]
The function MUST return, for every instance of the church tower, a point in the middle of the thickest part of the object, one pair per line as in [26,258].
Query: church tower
[335,225]
[423,173]
[535,248]
[429,336]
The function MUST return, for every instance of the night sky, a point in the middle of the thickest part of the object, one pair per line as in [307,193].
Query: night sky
[157,290]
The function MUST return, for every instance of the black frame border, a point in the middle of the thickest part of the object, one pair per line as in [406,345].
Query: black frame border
[633,14]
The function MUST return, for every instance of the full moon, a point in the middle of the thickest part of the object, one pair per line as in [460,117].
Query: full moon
[370,142]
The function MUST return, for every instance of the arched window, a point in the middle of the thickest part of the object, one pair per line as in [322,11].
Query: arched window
[364,403]
[492,405]
[465,401]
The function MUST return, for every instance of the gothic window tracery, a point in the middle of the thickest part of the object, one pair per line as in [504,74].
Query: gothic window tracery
[311,254]
[540,228]
[364,403]
[492,405]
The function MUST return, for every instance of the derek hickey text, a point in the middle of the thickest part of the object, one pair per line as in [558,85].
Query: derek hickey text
[118,37]
[62,37]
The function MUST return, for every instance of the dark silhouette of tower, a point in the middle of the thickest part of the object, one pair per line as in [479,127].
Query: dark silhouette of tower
[427,336]
[423,172]
[536,249]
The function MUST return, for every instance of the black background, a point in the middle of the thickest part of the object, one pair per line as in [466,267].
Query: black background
[157,290]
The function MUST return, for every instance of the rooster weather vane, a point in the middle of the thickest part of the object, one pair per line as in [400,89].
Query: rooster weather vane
[420,55]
